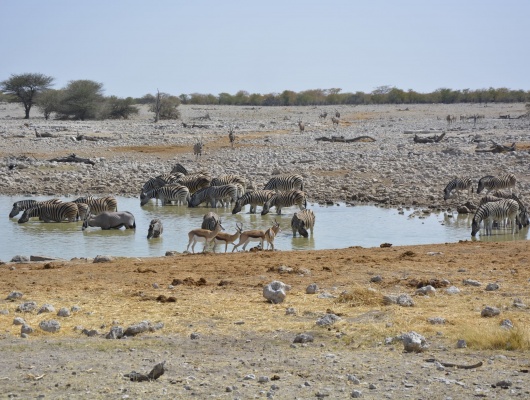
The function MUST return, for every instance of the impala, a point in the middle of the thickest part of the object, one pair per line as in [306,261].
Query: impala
[226,238]
[203,235]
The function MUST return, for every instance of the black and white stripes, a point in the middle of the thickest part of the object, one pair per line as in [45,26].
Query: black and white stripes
[284,183]
[50,212]
[458,184]
[490,182]
[505,209]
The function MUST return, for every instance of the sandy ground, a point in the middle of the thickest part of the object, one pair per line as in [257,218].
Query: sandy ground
[220,338]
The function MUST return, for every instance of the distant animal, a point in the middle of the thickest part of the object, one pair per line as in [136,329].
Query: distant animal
[283,183]
[450,119]
[490,183]
[496,211]
[159,181]
[301,125]
[254,198]
[110,220]
[155,228]
[197,149]
[302,221]
[457,185]
[203,235]
[231,136]
[337,114]
[323,115]
[285,199]
[51,212]
[335,121]
[226,238]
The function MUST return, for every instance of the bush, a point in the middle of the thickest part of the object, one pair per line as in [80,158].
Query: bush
[117,108]
[168,107]
[81,99]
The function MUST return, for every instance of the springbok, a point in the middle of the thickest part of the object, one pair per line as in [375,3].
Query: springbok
[335,121]
[270,234]
[256,235]
[226,238]
[301,125]
[231,136]
[203,235]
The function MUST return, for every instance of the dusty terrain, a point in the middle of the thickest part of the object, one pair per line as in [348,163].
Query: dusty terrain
[215,330]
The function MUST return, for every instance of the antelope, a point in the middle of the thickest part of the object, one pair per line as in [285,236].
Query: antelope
[231,136]
[203,235]
[197,149]
[337,114]
[271,233]
[323,115]
[335,121]
[226,238]
[256,235]
[301,125]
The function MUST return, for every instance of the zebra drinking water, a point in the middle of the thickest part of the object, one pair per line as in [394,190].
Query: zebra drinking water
[490,182]
[495,211]
[284,183]
[213,194]
[254,198]
[167,194]
[457,185]
[302,221]
[23,205]
[285,199]
[51,212]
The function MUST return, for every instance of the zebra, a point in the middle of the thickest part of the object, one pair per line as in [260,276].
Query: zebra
[23,205]
[495,211]
[213,194]
[210,220]
[227,179]
[231,136]
[51,212]
[490,183]
[82,211]
[197,149]
[180,169]
[155,228]
[302,221]
[254,198]
[167,194]
[284,183]
[195,182]
[524,218]
[98,204]
[457,185]
[285,199]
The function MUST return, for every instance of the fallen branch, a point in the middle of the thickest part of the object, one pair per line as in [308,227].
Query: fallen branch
[430,139]
[44,135]
[497,148]
[80,137]
[156,372]
[342,139]
[185,125]
[459,366]
[421,131]
[73,159]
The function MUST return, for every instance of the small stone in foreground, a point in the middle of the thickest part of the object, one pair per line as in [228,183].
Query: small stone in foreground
[490,312]
[303,338]
[14,295]
[50,326]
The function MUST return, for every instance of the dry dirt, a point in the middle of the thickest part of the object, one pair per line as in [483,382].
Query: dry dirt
[240,335]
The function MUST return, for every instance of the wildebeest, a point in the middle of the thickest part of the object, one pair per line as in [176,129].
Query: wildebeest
[110,220]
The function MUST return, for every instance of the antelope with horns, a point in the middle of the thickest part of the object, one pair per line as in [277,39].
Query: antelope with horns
[256,235]
[270,234]
[203,235]
[226,238]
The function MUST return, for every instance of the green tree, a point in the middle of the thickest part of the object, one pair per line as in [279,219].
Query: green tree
[81,99]
[24,88]
[117,108]
[48,101]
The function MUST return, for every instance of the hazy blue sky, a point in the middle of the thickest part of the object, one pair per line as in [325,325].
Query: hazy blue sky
[199,46]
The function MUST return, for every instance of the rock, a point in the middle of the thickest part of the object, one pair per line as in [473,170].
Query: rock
[452,290]
[14,295]
[312,288]
[18,321]
[356,394]
[490,287]
[490,312]
[506,324]
[102,259]
[63,312]
[20,259]
[50,326]
[404,300]
[43,258]
[90,333]
[138,328]
[436,320]
[413,342]
[4,312]
[75,309]
[303,338]
[171,253]
[461,344]
[275,292]
[116,332]
[26,329]
[195,336]
[328,319]
[376,279]
[46,308]
[471,282]
[290,311]
[426,291]
[27,307]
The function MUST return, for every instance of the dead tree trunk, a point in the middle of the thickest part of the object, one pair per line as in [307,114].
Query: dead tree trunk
[429,139]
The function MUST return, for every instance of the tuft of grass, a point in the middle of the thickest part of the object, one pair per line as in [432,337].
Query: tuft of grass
[497,338]
[359,296]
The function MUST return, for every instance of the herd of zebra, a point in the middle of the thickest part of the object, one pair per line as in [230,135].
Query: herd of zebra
[193,189]
[497,206]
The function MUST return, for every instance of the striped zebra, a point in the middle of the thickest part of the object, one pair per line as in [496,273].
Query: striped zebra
[23,205]
[51,212]
[99,204]
[490,183]
[213,194]
[254,198]
[284,183]
[227,179]
[302,221]
[180,169]
[195,182]
[524,217]
[167,194]
[159,181]
[83,209]
[155,228]
[457,185]
[210,221]
[285,199]
[495,211]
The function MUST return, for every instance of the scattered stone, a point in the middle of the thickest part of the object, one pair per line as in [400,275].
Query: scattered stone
[20,259]
[102,259]
[326,295]
[284,269]
[4,312]
[14,295]
[275,292]
[505,384]
[46,308]
[353,379]
[290,311]
[471,282]
[519,303]
[141,327]
[249,377]
[376,279]
[490,312]
[404,300]
[312,288]
[413,342]
[263,379]
[452,290]
[42,258]
[63,312]
[90,333]
[27,307]
[50,326]
[26,329]
[506,324]
[461,344]
[436,320]
[356,394]
[426,291]
[390,299]
[157,371]
[75,309]
[492,286]
[328,319]
[303,338]
[171,253]
[195,336]
[18,321]
[156,286]
[116,332]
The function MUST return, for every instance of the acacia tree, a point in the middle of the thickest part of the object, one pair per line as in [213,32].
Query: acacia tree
[23,88]
[48,101]
[81,99]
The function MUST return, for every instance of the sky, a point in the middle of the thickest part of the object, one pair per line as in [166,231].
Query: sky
[137,47]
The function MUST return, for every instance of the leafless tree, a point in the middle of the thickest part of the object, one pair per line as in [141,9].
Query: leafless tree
[158,106]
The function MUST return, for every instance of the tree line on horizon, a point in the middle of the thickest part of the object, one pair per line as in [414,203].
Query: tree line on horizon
[84,99]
